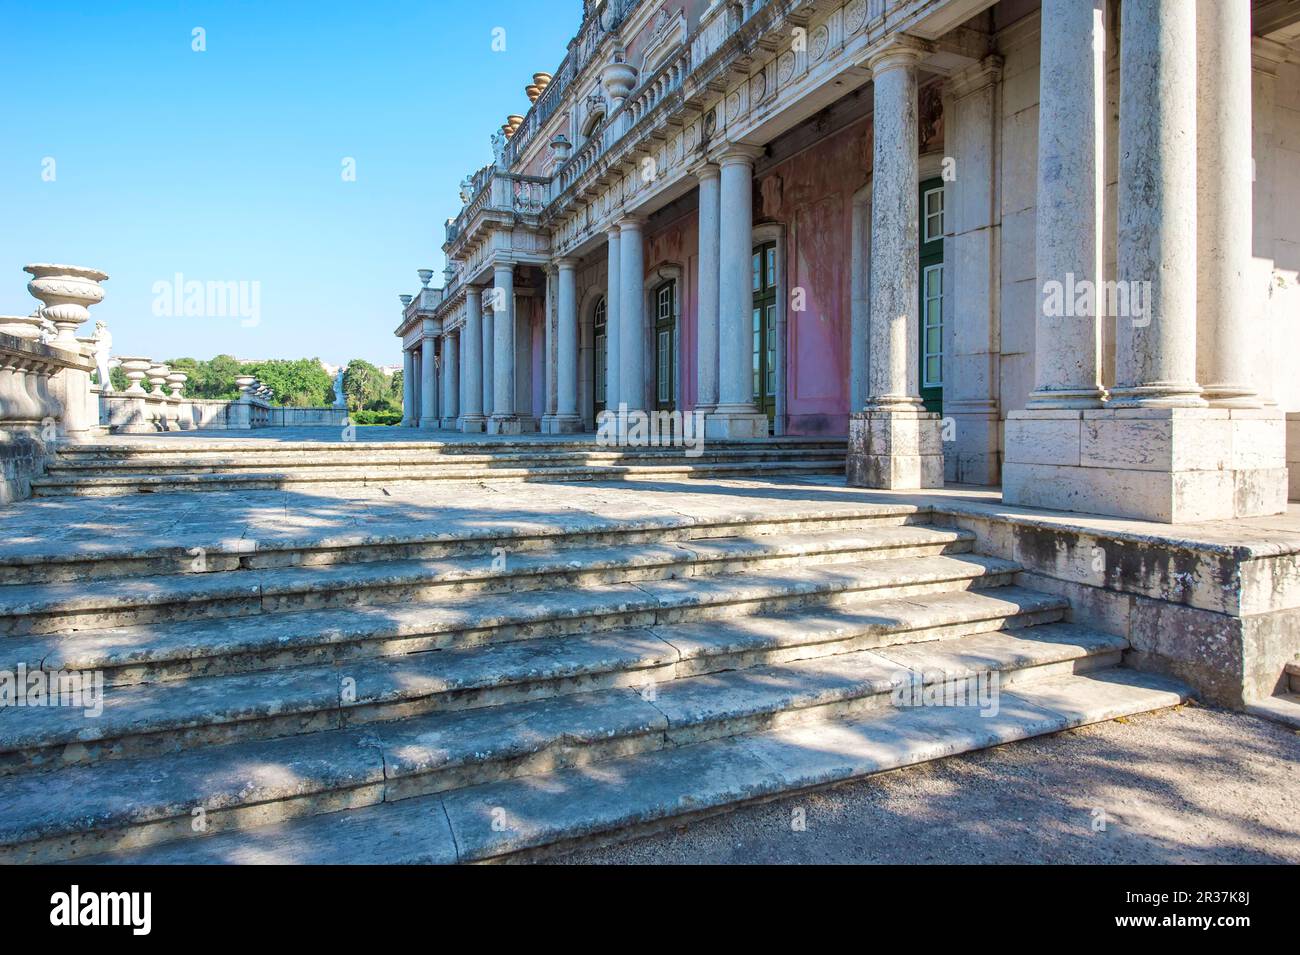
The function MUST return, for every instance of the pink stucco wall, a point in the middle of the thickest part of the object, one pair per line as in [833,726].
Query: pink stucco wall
[811,195]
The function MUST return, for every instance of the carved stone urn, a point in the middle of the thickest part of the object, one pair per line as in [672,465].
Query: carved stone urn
[28,327]
[244,382]
[618,78]
[426,275]
[532,91]
[158,377]
[135,370]
[176,381]
[541,81]
[66,293]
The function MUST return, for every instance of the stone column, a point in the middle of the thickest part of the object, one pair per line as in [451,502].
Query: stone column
[567,419]
[1156,452]
[503,420]
[894,443]
[485,359]
[1155,364]
[1067,345]
[550,357]
[613,323]
[631,373]
[428,378]
[706,331]
[1226,321]
[471,403]
[450,370]
[735,415]
[408,389]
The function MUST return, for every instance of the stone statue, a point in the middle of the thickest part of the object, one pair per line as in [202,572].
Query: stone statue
[103,347]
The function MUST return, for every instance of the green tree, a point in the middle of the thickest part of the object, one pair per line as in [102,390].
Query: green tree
[367,388]
[302,383]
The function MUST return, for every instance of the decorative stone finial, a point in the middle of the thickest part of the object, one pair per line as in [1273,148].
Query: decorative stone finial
[405,299]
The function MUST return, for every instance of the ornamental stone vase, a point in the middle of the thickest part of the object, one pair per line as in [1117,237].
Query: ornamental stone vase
[135,370]
[28,327]
[176,381]
[158,377]
[66,293]
[244,383]
[618,78]
[532,91]
[541,80]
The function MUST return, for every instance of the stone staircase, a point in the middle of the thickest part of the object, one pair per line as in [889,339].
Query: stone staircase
[194,465]
[436,698]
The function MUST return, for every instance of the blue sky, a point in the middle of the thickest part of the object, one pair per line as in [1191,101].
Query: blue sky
[226,165]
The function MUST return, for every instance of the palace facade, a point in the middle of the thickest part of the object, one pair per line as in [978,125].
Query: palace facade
[1049,246]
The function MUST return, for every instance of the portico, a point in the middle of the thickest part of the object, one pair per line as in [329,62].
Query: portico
[940,233]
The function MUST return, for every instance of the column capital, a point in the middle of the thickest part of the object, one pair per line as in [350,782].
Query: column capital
[899,52]
[631,223]
[429,327]
[567,262]
[976,77]
[730,154]
[705,169]
[473,291]
[500,267]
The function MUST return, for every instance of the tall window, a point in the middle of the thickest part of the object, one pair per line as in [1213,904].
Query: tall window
[931,304]
[764,328]
[601,376]
[665,299]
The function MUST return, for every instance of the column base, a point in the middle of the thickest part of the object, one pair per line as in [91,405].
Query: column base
[473,424]
[729,422]
[561,424]
[432,424]
[895,449]
[1170,465]
[451,424]
[503,424]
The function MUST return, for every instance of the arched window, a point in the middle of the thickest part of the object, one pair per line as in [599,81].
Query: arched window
[601,376]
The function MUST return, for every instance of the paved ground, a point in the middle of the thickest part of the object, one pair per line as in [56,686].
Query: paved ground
[1191,785]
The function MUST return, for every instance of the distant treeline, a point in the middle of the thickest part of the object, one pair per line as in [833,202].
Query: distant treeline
[301,383]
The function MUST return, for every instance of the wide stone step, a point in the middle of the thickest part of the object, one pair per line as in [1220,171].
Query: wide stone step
[186,449]
[129,803]
[160,718]
[175,649]
[388,461]
[295,539]
[168,483]
[54,607]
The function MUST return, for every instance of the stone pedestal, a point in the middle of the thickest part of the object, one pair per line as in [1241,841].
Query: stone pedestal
[504,424]
[895,449]
[1173,465]
[735,421]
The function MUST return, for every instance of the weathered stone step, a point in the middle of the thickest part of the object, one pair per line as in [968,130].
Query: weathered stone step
[186,449]
[159,718]
[386,461]
[30,559]
[1292,671]
[185,648]
[124,804]
[133,484]
[54,607]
